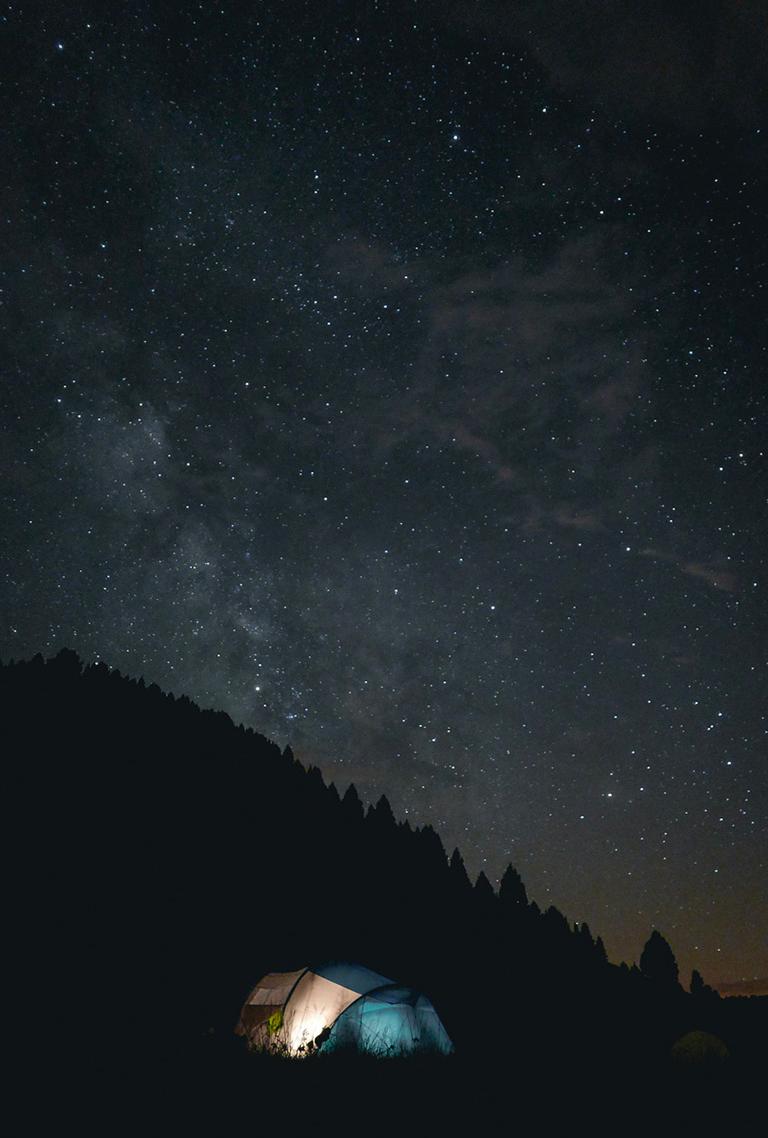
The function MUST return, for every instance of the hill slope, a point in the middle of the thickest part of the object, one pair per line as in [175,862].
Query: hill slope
[164,859]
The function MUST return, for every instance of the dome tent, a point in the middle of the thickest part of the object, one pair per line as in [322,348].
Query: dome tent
[699,1049]
[339,1006]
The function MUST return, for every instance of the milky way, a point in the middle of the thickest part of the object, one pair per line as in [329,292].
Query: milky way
[393,377]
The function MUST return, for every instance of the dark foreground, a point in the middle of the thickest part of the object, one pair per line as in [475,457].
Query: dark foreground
[224,1090]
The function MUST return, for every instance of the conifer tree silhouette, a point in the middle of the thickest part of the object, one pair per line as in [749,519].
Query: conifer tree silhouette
[458,871]
[511,889]
[699,989]
[484,889]
[351,804]
[657,960]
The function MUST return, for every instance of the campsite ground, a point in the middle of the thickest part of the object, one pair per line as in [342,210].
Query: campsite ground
[233,1090]
[224,1090]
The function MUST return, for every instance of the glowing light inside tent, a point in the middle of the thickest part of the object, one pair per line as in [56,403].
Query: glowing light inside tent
[300,1037]
[314,1005]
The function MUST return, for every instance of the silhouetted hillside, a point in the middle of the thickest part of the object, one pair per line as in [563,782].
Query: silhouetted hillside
[164,859]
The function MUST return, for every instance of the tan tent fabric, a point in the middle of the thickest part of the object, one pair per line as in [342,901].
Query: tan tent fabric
[264,1003]
[274,988]
[315,1005]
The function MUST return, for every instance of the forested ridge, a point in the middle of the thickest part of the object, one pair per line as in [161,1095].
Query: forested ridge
[165,858]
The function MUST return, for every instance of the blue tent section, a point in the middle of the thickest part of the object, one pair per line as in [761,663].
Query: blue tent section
[389,1021]
[353,976]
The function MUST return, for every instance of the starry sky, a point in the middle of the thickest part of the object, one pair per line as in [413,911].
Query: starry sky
[393,376]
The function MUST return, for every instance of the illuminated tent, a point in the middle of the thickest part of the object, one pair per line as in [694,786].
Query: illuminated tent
[339,1006]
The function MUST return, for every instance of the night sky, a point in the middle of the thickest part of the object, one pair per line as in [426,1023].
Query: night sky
[393,376]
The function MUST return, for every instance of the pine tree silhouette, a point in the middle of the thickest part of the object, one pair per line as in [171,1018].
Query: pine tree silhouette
[484,889]
[511,889]
[458,871]
[701,990]
[657,960]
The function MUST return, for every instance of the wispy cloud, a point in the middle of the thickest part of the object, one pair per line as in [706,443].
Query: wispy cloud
[713,574]
[517,361]
[369,266]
